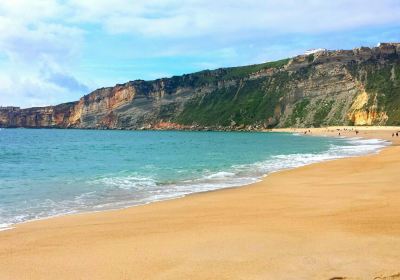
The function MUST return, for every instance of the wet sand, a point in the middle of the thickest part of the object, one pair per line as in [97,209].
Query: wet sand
[333,219]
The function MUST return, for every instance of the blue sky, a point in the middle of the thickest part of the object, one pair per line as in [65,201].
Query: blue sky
[55,51]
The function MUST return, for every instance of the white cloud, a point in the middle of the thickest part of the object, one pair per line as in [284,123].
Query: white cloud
[31,11]
[30,91]
[191,18]
[34,41]
[41,41]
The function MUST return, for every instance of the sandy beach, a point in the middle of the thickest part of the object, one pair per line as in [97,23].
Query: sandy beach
[332,220]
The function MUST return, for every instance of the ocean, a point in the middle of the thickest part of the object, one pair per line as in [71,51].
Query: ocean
[50,172]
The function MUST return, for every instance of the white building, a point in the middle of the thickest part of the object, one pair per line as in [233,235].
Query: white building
[312,51]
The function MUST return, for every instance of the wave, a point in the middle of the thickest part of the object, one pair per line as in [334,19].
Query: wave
[128,182]
[5,226]
[124,191]
[148,189]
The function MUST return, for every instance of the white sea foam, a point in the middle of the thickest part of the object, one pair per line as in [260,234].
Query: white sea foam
[124,191]
[5,226]
[127,182]
[238,175]
[220,175]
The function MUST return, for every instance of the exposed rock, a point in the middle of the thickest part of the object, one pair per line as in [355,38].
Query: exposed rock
[360,86]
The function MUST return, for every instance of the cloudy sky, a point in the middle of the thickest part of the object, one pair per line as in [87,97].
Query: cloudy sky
[54,51]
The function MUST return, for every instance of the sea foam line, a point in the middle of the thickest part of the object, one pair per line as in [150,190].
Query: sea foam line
[237,176]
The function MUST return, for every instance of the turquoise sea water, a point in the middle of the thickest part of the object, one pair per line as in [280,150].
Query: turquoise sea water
[53,172]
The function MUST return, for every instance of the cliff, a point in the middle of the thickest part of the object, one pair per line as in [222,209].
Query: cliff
[344,87]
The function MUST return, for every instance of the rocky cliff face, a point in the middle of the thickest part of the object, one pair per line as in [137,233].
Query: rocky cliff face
[360,87]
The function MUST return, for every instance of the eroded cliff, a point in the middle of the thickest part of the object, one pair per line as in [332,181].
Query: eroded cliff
[360,86]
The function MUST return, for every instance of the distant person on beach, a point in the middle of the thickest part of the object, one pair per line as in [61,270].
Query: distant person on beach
[397,134]
[356,132]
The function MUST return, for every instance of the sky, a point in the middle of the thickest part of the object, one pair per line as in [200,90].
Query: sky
[54,51]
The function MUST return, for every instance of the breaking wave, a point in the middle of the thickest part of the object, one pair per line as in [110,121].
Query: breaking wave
[124,191]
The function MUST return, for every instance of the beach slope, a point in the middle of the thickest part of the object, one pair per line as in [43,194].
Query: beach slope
[332,219]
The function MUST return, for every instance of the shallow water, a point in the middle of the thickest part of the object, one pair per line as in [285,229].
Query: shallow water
[50,172]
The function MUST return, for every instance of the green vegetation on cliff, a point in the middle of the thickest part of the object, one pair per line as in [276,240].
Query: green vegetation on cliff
[232,73]
[360,86]
[249,102]
[243,71]
[299,112]
[385,83]
[322,112]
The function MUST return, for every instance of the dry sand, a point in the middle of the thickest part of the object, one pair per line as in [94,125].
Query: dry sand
[333,219]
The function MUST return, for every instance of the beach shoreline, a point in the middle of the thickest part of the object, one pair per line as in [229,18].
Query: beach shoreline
[30,244]
[319,132]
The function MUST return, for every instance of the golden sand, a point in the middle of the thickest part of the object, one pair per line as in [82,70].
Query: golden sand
[333,219]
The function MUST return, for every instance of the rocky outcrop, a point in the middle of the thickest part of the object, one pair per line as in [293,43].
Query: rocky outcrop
[365,111]
[360,86]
